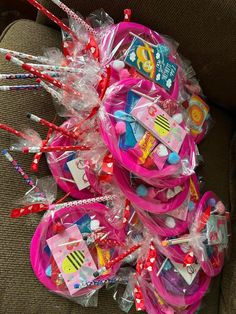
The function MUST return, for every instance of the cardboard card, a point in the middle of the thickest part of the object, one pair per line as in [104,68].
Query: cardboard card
[72,257]
[76,167]
[150,61]
[188,273]
[159,124]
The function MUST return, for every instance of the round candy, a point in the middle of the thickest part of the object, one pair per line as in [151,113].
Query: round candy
[151,192]
[178,117]
[173,158]
[120,127]
[170,222]
[94,225]
[118,65]
[142,190]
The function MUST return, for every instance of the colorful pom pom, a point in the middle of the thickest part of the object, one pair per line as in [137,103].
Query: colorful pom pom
[120,127]
[124,74]
[170,222]
[173,158]
[142,190]
[118,65]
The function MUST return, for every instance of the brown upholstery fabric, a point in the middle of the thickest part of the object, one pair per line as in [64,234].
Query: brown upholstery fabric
[205,30]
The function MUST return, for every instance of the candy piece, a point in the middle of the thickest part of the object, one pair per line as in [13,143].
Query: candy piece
[142,190]
[120,127]
[161,150]
[170,222]
[118,65]
[94,225]
[178,117]
[173,158]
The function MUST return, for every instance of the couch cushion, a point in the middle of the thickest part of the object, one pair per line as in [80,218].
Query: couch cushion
[206,38]
[20,291]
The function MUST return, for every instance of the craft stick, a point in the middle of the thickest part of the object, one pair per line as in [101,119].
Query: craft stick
[52,126]
[41,75]
[116,260]
[53,18]
[13,131]
[48,149]
[74,16]
[6,88]
[29,181]
[25,55]
[35,208]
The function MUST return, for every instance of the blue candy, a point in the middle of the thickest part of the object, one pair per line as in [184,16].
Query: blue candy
[76,286]
[173,158]
[142,190]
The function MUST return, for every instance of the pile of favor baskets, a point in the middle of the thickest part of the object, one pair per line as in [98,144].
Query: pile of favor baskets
[127,155]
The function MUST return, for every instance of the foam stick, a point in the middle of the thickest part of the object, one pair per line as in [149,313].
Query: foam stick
[29,181]
[52,126]
[6,88]
[116,260]
[74,16]
[25,55]
[48,149]
[14,131]
[53,18]
[41,75]
[35,208]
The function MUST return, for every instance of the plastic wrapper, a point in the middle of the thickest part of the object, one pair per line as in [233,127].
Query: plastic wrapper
[173,287]
[150,198]
[70,245]
[116,45]
[141,145]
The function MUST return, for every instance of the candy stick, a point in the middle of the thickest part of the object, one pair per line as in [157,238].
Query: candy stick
[48,149]
[46,67]
[25,55]
[50,90]
[35,208]
[6,88]
[18,168]
[13,131]
[53,18]
[41,75]
[116,260]
[74,16]
[52,126]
